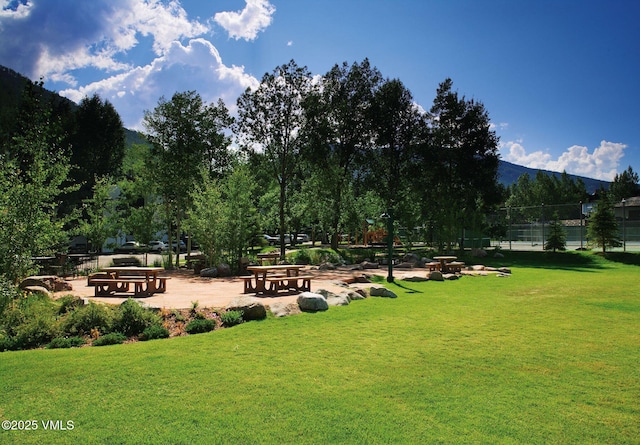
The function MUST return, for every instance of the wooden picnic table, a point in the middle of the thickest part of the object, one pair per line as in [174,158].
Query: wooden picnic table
[278,277]
[444,259]
[268,257]
[145,281]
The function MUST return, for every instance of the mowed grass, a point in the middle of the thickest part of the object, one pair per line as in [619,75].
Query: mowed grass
[548,355]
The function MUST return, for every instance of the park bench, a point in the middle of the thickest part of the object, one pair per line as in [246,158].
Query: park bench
[298,283]
[127,261]
[455,266]
[106,287]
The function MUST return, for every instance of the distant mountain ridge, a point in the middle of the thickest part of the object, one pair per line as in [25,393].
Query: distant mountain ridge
[509,173]
[12,85]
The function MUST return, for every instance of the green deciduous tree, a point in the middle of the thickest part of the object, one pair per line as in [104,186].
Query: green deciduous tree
[340,132]
[31,185]
[463,153]
[184,133]
[239,213]
[399,129]
[270,120]
[100,217]
[206,218]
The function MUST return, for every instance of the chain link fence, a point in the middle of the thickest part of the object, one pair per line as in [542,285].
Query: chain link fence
[528,227]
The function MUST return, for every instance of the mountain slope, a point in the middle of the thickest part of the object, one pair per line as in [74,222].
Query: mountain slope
[509,173]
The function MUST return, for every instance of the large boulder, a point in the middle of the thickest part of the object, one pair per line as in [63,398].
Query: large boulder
[326,266]
[50,282]
[415,279]
[326,293]
[369,265]
[282,309]
[38,290]
[312,302]
[224,270]
[436,275]
[378,291]
[410,258]
[353,295]
[251,307]
[338,300]
[209,272]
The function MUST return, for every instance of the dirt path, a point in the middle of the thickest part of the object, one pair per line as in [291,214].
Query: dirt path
[183,289]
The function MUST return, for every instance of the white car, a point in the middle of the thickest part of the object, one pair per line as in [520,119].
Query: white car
[129,247]
[157,246]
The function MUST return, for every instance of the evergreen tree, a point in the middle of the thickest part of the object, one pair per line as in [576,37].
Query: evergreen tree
[557,239]
[624,185]
[602,227]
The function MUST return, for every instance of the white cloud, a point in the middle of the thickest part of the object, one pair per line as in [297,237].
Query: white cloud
[51,38]
[245,24]
[602,164]
[500,126]
[13,9]
[57,39]
[196,66]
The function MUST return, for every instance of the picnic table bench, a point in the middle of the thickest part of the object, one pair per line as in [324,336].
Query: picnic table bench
[272,279]
[268,257]
[124,262]
[115,280]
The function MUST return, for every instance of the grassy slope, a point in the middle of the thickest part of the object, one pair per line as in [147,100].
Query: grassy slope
[549,355]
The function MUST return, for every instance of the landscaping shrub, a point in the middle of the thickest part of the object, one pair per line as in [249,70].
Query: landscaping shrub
[69,303]
[114,338]
[199,326]
[154,332]
[8,293]
[132,319]
[27,320]
[66,342]
[84,319]
[6,342]
[200,315]
[302,256]
[35,332]
[231,318]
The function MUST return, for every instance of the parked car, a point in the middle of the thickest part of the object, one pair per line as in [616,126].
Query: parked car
[300,238]
[183,246]
[272,240]
[129,247]
[157,246]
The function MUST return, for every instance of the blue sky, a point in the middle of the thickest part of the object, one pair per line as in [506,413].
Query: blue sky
[559,78]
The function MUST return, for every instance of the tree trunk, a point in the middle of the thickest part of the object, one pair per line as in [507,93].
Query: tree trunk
[282,215]
[170,262]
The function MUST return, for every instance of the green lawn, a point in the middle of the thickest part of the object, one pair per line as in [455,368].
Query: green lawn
[548,355]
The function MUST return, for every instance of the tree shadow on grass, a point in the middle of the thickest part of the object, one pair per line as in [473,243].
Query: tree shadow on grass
[402,285]
[632,259]
[574,261]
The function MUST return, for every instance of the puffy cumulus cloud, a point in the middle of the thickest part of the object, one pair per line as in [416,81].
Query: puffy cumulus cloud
[51,38]
[245,24]
[603,163]
[195,66]
[14,9]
